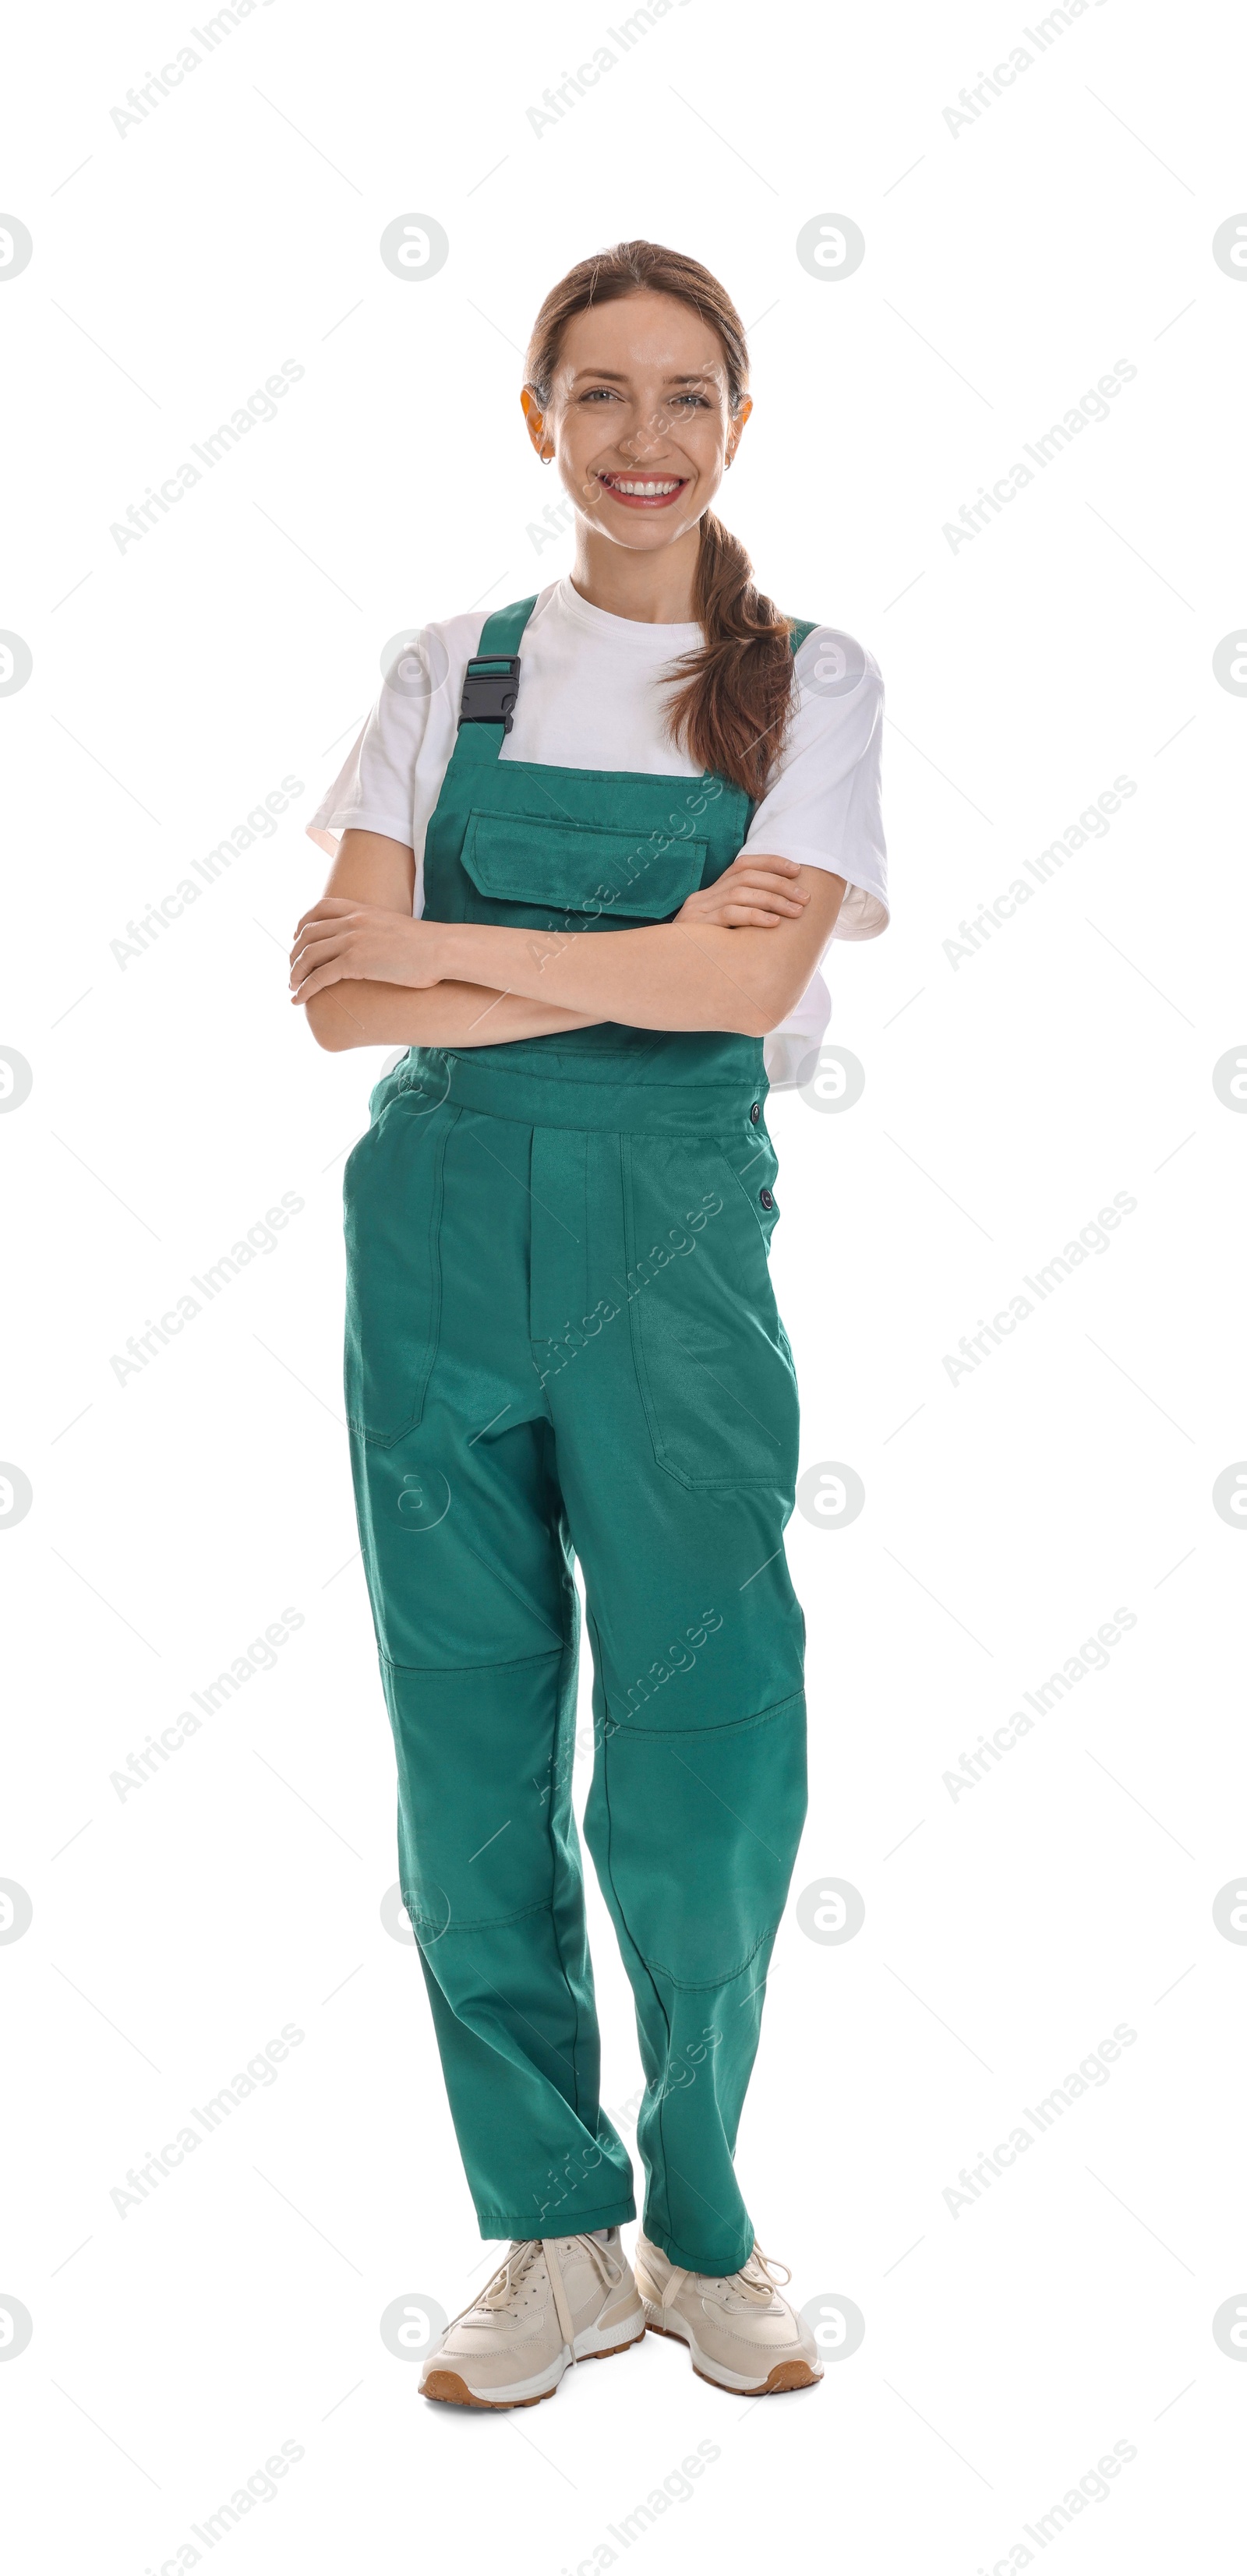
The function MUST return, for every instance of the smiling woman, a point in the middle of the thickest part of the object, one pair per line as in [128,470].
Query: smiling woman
[592,849]
[735,704]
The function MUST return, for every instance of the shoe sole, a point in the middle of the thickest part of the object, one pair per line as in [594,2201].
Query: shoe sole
[784,2375]
[447,2387]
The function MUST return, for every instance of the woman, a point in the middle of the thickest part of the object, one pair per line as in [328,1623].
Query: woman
[561,1335]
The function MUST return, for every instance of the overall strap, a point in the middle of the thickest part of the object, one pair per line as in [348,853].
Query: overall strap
[503,628]
[492,678]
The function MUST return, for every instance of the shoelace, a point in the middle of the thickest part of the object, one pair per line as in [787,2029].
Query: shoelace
[758,2274]
[755,2284]
[511,2271]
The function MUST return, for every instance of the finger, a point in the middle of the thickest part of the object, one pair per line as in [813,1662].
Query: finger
[771,905]
[316,927]
[317,982]
[779,890]
[317,952]
[305,951]
[774,882]
[767,859]
[328,907]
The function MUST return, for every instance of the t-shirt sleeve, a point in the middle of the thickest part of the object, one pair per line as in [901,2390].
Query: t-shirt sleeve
[824,807]
[374,790]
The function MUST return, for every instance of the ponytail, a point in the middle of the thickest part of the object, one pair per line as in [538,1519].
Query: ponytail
[734,706]
[733,701]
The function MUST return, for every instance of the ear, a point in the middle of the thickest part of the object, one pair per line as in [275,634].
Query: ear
[736,432]
[536,424]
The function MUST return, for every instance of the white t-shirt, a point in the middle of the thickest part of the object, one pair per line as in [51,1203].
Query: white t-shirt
[590,698]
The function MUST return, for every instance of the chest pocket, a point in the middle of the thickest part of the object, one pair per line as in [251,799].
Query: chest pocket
[548,874]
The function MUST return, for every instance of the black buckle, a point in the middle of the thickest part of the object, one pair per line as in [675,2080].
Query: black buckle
[491,686]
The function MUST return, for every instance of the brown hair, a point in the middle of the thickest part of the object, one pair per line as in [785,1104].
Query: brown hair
[734,699]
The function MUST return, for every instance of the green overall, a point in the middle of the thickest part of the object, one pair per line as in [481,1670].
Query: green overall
[562,1342]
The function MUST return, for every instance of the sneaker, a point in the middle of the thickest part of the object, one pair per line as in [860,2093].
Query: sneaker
[555,2299]
[740,2333]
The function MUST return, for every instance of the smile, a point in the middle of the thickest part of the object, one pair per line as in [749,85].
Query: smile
[643,492]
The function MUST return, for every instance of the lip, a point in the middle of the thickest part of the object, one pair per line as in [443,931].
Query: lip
[639,500]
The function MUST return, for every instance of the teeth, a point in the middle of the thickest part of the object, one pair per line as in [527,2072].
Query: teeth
[643,491]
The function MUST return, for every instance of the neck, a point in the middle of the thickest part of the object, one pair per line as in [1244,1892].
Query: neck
[654,589]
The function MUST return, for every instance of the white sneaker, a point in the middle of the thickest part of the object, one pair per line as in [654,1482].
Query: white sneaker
[554,2300]
[740,2333]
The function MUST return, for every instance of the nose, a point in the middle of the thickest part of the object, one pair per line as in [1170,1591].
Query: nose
[645,441]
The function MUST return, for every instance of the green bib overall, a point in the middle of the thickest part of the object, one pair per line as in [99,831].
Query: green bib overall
[562,1342]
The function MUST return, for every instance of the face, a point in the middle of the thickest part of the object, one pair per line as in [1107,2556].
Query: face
[638,419]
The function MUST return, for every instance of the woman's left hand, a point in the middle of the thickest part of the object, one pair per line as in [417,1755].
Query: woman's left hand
[341,942]
[757,892]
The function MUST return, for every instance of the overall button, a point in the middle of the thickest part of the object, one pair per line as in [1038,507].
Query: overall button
[766,1198]
[754,1114]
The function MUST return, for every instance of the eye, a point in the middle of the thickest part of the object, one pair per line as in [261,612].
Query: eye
[698,399]
[600,393]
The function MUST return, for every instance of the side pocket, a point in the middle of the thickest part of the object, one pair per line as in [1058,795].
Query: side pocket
[392,1206]
[714,1371]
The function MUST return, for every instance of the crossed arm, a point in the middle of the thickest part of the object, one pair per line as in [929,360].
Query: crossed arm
[737,956]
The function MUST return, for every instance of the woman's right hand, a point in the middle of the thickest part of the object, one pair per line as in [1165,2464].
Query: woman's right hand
[757,892]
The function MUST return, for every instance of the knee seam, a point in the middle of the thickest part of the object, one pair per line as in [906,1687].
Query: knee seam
[511,1664]
[697,1734]
[711,1985]
[474,1922]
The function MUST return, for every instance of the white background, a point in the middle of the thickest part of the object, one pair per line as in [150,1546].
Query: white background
[174,1516]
